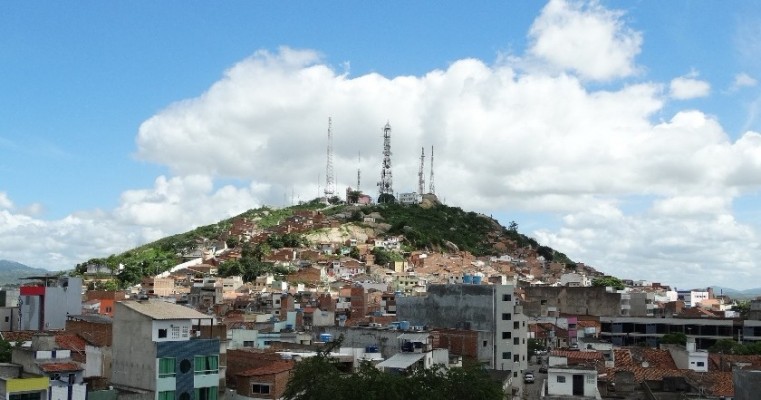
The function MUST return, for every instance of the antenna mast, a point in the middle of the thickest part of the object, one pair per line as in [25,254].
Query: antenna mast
[386,186]
[420,177]
[359,160]
[330,188]
[431,186]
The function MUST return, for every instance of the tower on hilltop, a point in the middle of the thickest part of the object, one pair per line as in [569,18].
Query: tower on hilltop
[431,187]
[385,185]
[420,176]
[330,186]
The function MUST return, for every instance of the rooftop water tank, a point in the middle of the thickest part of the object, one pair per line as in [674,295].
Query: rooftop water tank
[467,279]
[326,337]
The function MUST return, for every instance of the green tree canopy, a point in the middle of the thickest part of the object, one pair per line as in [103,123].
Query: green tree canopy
[611,281]
[321,377]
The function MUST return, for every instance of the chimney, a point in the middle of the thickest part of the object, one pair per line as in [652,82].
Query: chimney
[690,344]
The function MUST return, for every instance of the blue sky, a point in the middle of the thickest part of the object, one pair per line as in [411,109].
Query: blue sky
[622,133]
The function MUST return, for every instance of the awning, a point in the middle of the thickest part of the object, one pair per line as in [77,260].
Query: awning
[401,360]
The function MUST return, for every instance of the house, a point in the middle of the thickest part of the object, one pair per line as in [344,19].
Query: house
[265,382]
[157,355]
[579,381]
[417,352]
[44,358]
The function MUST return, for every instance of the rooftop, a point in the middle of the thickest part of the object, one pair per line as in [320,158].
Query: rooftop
[163,310]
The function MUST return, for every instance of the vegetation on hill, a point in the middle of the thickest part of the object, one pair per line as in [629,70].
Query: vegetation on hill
[436,228]
[11,272]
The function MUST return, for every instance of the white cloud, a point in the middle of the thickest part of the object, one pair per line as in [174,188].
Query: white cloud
[5,202]
[586,38]
[743,80]
[688,87]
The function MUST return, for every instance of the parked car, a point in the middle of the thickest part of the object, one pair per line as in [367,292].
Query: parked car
[543,369]
[528,377]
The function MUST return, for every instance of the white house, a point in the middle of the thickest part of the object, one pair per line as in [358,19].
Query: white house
[577,381]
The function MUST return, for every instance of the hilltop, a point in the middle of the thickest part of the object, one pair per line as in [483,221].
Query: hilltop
[430,227]
[11,272]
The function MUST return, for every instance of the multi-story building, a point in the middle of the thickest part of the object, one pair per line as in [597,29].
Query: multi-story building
[158,355]
[45,301]
[488,308]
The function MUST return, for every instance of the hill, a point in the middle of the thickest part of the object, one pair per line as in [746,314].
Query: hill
[432,226]
[11,272]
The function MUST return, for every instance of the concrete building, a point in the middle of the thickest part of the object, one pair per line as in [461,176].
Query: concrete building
[544,301]
[693,297]
[688,357]
[158,353]
[44,358]
[16,385]
[488,308]
[417,352]
[46,301]
[629,331]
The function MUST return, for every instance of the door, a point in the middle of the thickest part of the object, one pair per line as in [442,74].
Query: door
[578,385]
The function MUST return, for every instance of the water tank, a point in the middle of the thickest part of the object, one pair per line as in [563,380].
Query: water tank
[372,349]
[589,331]
[326,337]
[404,325]
[477,279]
[467,279]
[289,327]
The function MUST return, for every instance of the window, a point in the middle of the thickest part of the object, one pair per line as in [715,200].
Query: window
[207,393]
[260,388]
[168,395]
[507,335]
[206,365]
[561,379]
[515,374]
[506,316]
[7,319]
[175,332]
[507,297]
[248,343]
[506,355]
[516,340]
[516,325]
[590,379]
[185,331]
[543,302]
[516,358]
[486,343]
[701,364]
[162,333]
[167,367]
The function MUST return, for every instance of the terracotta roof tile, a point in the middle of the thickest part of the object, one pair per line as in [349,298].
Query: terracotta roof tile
[60,367]
[15,336]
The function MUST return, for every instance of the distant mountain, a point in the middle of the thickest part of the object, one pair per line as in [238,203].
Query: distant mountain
[737,294]
[11,272]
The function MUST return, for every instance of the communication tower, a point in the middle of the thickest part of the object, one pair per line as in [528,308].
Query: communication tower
[420,177]
[431,186]
[386,186]
[330,187]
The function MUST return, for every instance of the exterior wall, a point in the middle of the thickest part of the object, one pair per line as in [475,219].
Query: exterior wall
[97,333]
[176,330]
[9,297]
[9,318]
[243,360]
[488,308]
[99,361]
[134,354]
[277,383]
[747,384]
[556,388]
[61,302]
[185,381]
[592,300]
[239,337]
[385,339]
[624,331]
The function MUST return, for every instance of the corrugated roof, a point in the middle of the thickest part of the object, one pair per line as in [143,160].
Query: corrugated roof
[401,360]
[163,310]
[275,367]
[414,337]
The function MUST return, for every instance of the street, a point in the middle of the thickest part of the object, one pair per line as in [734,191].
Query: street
[531,390]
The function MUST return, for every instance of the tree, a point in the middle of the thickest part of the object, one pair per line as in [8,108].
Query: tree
[386,198]
[5,351]
[609,281]
[512,227]
[320,377]
[534,345]
[674,338]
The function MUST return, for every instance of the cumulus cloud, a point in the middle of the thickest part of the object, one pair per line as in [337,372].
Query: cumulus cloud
[5,202]
[585,38]
[507,136]
[688,87]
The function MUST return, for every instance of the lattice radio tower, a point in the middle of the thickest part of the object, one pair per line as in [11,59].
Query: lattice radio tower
[420,175]
[386,185]
[359,172]
[330,186]
[431,186]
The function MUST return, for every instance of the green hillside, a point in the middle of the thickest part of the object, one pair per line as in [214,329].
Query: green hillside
[435,227]
[11,272]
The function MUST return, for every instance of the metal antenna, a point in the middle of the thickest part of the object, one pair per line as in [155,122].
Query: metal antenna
[330,188]
[420,178]
[431,186]
[386,184]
